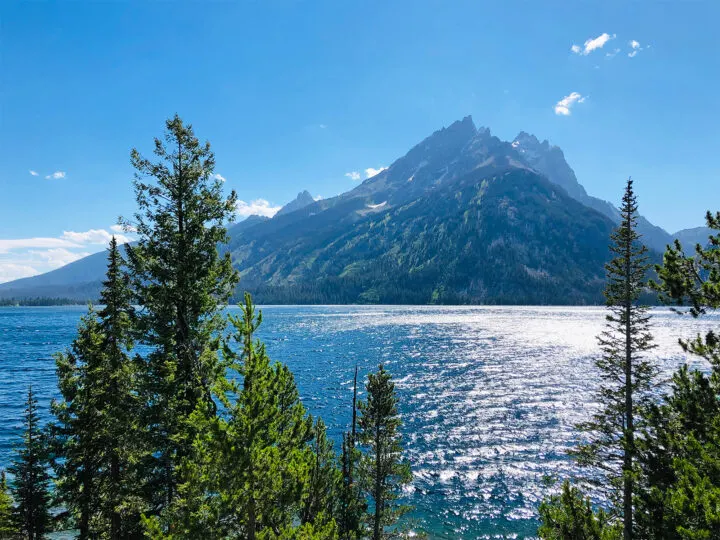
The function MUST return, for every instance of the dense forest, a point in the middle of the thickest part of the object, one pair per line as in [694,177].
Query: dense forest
[202,435]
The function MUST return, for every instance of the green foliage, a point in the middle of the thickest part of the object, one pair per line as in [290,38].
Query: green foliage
[694,281]
[680,488]
[570,516]
[8,528]
[627,377]
[320,500]
[382,472]
[352,504]
[96,432]
[181,283]
[31,481]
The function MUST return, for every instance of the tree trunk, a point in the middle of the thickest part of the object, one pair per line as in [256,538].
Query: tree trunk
[378,481]
[115,483]
[629,428]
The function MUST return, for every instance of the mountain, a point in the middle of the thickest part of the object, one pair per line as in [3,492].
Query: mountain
[463,217]
[689,238]
[301,201]
[550,161]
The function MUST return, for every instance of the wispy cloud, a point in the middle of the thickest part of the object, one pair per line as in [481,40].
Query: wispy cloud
[57,175]
[612,53]
[323,126]
[634,48]
[93,236]
[353,175]
[592,44]
[370,172]
[258,207]
[219,177]
[564,106]
[24,257]
[122,229]
[33,173]
[12,271]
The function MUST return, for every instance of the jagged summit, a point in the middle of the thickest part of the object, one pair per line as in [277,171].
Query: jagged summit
[303,199]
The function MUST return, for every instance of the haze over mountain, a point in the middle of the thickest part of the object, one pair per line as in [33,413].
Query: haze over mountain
[463,217]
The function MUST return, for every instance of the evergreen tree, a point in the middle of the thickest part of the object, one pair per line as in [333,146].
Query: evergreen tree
[570,516]
[96,433]
[264,455]
[694,281]
[260,469]
[182,284]
[320,502]
[351,505]
[7,525]
[382,472]
[679,493]
[627,376]
[30,484]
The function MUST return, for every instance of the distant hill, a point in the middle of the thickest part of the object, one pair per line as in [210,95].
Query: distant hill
[463,217]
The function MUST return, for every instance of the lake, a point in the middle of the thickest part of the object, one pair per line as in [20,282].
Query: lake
[488,395]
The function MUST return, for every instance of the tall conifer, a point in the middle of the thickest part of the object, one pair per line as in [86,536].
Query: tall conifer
[382,472]
[182,284]
[96,432]
[627,375]
[31,480]
[679,494]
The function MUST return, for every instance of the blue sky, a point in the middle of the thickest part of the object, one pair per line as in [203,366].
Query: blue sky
[296,95]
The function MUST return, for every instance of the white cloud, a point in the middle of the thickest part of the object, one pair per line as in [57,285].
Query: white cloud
[122,229]
[12,271]
[563,106]
[612,53]
[29,243]
[55,258]
[24,257]
[93,236]
[353,175]
[370,172]
[592,44]
[635,48]
[33,173]
[218,177]
[55,176]
[258,207]
[318,197]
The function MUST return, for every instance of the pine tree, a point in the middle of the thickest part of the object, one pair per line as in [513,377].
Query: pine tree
[30,485]
[320,501]
[265,456]
[182,284]
[694,281]
[351,505]
[7,525]
[570,516]
[96,433]
[382,472]
[627,376]
[679,495]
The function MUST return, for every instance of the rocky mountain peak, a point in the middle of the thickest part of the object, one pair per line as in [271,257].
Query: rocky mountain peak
[303,199]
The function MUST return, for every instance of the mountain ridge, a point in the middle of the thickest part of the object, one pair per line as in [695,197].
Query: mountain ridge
[311,249]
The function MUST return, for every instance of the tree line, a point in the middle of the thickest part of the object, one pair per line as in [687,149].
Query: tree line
[201,435]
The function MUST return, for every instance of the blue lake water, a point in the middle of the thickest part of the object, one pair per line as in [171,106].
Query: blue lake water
[488,395]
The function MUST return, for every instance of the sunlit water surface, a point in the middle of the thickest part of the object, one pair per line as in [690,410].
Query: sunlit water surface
[488,395]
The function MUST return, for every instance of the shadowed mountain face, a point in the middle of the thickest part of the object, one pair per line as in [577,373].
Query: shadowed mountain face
[463,217]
